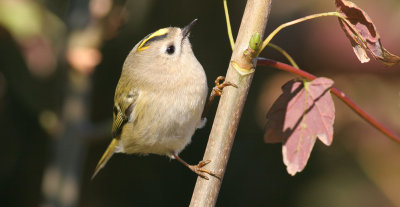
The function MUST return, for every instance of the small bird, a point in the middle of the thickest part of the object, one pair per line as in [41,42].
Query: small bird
[159,98]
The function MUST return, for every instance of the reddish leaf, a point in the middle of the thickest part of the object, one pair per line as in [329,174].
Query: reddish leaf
[300,115]
[362,34]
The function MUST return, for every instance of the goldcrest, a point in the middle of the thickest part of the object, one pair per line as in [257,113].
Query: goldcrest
[159,98]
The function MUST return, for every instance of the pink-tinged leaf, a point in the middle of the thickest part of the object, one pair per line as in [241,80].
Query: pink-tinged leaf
[303,112]
[360,53]
[362,34]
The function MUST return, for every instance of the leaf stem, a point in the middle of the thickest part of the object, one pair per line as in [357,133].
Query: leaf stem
[353,106]
[284,53]
[287,24]
[228,25]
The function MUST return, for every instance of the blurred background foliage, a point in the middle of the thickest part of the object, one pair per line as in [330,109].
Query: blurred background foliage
[60,61]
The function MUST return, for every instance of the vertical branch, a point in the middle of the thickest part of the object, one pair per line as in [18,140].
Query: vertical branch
[231,103]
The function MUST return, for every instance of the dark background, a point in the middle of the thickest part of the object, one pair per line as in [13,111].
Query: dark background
[50,145]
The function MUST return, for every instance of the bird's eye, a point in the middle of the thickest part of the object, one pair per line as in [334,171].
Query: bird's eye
[171,49]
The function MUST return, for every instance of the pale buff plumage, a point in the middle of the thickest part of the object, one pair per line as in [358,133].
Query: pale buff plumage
[159,98]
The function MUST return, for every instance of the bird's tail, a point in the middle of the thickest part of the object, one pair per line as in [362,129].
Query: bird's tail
[106,156]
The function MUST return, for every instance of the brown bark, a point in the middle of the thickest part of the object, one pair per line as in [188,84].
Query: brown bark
[231,104]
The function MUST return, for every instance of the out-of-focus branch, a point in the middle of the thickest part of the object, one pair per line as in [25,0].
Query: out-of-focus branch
[240,72]
[63,174]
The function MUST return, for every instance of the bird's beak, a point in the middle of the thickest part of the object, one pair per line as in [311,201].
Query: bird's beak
[186,30]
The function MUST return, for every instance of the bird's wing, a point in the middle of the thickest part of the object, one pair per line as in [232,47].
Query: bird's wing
[122,112]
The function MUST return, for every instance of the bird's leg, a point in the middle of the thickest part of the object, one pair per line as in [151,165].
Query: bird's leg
[198,169]
[216,91]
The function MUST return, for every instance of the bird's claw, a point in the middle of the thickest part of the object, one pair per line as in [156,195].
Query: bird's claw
[198,169]
[218,88]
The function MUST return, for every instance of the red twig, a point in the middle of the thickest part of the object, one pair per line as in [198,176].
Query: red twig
[334,90]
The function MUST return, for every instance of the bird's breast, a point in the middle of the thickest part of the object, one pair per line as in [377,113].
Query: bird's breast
[165,119]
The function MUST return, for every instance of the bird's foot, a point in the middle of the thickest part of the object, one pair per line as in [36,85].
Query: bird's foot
[218,88]
[198,169]
[216,91]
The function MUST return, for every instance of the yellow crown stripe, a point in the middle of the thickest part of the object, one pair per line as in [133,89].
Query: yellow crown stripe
[155,34]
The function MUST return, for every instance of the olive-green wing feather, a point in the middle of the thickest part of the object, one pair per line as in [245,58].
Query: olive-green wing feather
[119,121]
[106,156]
[122,113]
